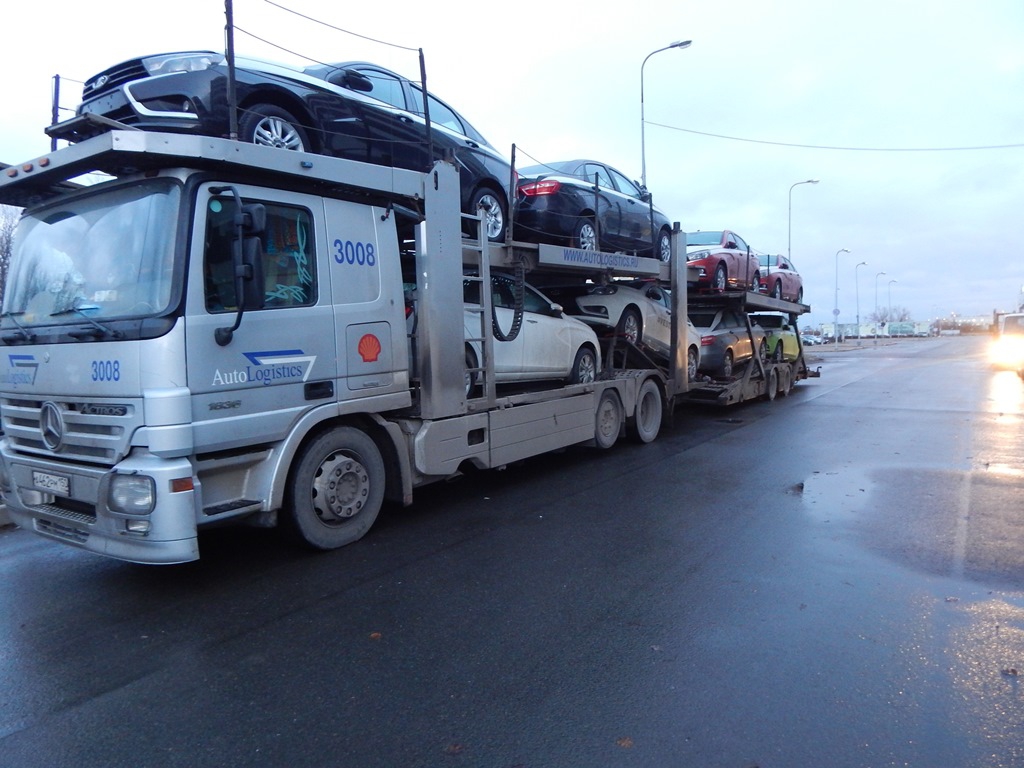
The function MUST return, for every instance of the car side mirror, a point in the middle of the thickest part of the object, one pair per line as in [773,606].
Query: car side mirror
[557,310]
[356,81]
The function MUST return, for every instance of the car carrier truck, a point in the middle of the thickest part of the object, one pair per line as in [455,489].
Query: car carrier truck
[218,333]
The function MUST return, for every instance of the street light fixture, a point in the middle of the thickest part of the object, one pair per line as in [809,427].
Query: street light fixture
[856,288]
[789,242]
[643,150]
[835,306]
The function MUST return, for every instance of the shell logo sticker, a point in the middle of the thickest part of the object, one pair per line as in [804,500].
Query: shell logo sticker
[369,348]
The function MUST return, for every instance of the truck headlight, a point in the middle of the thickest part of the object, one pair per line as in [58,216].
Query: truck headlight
[132,494]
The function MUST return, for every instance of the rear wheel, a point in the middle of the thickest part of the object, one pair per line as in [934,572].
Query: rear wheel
[727,363]
[762,351]
[337,488]
[777,354]
[584,235]
[584,367]
[692,361]
[270,126]
[772,385]
[800,296]
[608,421]
[646,421]
[631,325]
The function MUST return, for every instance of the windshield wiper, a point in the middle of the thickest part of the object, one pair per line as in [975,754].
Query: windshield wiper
[106,331]
[25,333]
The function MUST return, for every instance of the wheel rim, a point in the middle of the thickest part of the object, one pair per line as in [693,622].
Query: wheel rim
[691,365]
[586,371]
[341,486]
[587,237]
[631,327]
[777,293]
[494,219]
[608,420]
[720,277]
[727,364]
[275,132]
[665,247]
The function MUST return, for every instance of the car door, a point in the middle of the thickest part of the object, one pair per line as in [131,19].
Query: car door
[397,138]
[738,334]
[608,204]
[657,318]
[547,351]
[744,265]
[635,225]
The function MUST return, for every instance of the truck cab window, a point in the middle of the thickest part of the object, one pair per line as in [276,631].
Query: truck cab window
[288,265]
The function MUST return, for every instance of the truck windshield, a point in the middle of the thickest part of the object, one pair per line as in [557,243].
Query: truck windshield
[106,255]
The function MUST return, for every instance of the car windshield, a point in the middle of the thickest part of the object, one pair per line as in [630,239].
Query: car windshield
[102,256]
[703,238]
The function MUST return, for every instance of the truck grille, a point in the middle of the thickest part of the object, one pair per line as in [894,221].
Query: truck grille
[95,432]
[115,77]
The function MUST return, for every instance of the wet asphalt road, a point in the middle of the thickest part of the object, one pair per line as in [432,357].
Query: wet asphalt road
[833,579]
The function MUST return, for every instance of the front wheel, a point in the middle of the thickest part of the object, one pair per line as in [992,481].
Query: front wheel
[270,126]
[631,325]
[584,367]
[692,363]
[727,364]
[721,278]
[493,208]
[777,290]
[336,489]
[663,247]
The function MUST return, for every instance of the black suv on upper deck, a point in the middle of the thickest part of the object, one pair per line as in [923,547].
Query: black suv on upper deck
[354,110]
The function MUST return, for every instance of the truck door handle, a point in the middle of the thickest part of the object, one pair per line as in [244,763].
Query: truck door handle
[318,390]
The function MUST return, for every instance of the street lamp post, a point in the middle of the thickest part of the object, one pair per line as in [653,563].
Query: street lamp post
[875,334]
[888,316]
[856,288]
[835,306]
[643,150]
[789,241]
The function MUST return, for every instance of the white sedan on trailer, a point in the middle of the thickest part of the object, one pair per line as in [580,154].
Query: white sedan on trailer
[549,345]
[639,310]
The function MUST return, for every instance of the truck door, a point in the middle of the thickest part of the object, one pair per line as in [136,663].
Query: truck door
[255,387]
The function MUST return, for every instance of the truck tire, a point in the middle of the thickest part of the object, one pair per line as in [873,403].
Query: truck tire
[270,126]
[646,421]
[608,420]
[771,387]
[337,489]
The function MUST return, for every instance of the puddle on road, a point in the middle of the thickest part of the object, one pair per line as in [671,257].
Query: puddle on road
[836,495]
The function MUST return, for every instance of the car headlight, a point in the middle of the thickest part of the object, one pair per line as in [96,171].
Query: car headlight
[181,62]
[132,494]
[697,255]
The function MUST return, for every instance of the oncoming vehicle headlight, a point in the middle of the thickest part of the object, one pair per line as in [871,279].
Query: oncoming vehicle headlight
[131,494]
[1007,351]
[181,62]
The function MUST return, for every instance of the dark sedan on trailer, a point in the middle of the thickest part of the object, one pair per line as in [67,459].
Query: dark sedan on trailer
[354,110]
[588,205]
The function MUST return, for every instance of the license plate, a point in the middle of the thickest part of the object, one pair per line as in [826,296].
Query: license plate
[52,483]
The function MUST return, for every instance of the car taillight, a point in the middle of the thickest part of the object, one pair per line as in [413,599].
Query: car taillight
[707,341]
[536,188]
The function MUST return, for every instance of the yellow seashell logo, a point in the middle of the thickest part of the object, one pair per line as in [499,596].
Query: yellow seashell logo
[369,348]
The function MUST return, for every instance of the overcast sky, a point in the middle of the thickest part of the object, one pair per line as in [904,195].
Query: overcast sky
[911,114]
